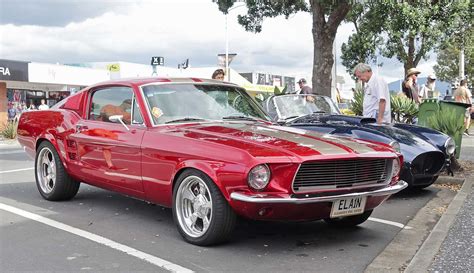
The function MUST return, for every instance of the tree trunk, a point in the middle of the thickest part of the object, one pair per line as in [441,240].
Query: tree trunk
[324,33]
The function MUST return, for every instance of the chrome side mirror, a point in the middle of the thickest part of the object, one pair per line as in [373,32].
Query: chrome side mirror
[118,118]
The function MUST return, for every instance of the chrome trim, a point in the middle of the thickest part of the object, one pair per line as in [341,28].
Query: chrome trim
[446,145]
[262,198]
[307,189]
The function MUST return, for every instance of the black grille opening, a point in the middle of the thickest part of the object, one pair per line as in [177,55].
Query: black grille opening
[429,163]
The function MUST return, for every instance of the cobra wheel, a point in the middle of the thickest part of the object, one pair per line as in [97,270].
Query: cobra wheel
[52,180]
[349,221]
[201,213]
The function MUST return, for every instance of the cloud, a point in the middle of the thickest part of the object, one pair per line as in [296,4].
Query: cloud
[132,31]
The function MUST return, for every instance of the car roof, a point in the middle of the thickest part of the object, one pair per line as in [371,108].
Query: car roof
[148,80]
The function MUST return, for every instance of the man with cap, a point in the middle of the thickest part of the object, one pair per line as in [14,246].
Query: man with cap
[427,90]
[304,89]
[409,86]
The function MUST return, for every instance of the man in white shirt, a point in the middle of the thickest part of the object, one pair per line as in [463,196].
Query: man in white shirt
[43,105]
[376,95]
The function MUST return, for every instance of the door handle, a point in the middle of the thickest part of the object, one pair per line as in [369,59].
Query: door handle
[80,128]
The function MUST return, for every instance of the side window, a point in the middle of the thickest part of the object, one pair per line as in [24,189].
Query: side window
[111,101]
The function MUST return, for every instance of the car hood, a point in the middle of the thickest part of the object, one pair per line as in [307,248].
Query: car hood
[412,143]
[262,140]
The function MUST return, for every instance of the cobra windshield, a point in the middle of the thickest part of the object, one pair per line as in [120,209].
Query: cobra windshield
[288,106]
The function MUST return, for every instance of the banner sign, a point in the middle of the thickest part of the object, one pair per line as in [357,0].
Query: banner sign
[13,70]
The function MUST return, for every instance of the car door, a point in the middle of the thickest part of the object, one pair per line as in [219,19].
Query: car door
[109,152]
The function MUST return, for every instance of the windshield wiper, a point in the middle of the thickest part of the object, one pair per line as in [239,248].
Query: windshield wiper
[291,117]
[241,118]
[185,119]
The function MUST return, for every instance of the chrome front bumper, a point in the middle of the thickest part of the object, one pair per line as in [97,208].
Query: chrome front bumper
[263,198]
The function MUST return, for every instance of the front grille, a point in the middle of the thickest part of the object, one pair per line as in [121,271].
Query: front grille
[332,174]
[429,163]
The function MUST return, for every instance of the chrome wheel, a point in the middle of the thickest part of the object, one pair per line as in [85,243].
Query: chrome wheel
[194,206]
[46,170]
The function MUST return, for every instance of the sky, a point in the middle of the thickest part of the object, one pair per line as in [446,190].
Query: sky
[77,31]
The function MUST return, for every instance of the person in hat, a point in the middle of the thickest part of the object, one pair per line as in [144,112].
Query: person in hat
[409,85]
[376,95]
[304,89]
[428,89]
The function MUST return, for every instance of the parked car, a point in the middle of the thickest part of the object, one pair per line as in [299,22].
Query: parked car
[208,151]
[425,151]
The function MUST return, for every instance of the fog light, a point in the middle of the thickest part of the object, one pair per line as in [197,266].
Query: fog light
[264,211]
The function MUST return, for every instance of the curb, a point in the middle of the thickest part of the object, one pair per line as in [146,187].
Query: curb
[430,247]
[399,253]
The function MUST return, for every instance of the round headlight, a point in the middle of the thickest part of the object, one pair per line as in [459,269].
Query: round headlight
[259,176]
[395,145]
[395,166]
[450,146]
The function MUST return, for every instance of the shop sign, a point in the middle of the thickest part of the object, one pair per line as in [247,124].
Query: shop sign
[13,70]
[113,67]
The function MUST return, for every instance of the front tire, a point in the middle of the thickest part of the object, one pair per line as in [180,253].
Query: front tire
[349,221]
[202,215]
[52,180]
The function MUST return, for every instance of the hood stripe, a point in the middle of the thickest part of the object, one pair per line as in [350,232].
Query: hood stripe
[300,138]
[343,142]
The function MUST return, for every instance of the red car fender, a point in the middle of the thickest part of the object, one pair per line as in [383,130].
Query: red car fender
[231,175]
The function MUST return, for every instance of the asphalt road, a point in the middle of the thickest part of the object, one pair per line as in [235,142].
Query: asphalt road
[145,229]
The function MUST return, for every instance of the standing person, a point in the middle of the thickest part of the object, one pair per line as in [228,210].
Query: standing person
[304,89]
[463,94]
[376,95]
[11,112]
[218,74]
[427,90]
[31,107]
[43,105]
[409,85]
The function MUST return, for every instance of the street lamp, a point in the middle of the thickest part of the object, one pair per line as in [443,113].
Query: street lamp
[227,40]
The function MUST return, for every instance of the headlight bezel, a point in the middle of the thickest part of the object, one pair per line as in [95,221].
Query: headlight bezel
[396,167]
[450,146]
[395,146]
[258,177]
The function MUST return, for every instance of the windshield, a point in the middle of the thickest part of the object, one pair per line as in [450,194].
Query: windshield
[289,106]
[169,103]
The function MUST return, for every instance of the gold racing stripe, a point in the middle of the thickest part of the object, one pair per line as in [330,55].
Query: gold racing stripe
[296,136]
[353,145]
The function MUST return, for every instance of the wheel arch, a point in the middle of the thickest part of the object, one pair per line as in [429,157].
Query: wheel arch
[51,139]
[203,168]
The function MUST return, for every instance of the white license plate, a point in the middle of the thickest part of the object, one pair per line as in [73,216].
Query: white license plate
[348,206]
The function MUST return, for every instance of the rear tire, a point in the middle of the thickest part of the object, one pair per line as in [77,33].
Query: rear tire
[202,215]
[349,221]
[52,180]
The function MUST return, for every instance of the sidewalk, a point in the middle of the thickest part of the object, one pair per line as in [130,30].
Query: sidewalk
[450,245]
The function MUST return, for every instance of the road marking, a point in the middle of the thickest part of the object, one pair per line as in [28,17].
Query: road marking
[98,239]
[12,152]
[389,223]
[17,170]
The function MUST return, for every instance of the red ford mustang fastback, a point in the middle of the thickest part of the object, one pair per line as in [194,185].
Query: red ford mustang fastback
[207,150]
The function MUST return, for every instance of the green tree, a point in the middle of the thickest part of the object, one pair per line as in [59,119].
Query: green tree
[327,16]
[408,30]
[447,67]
